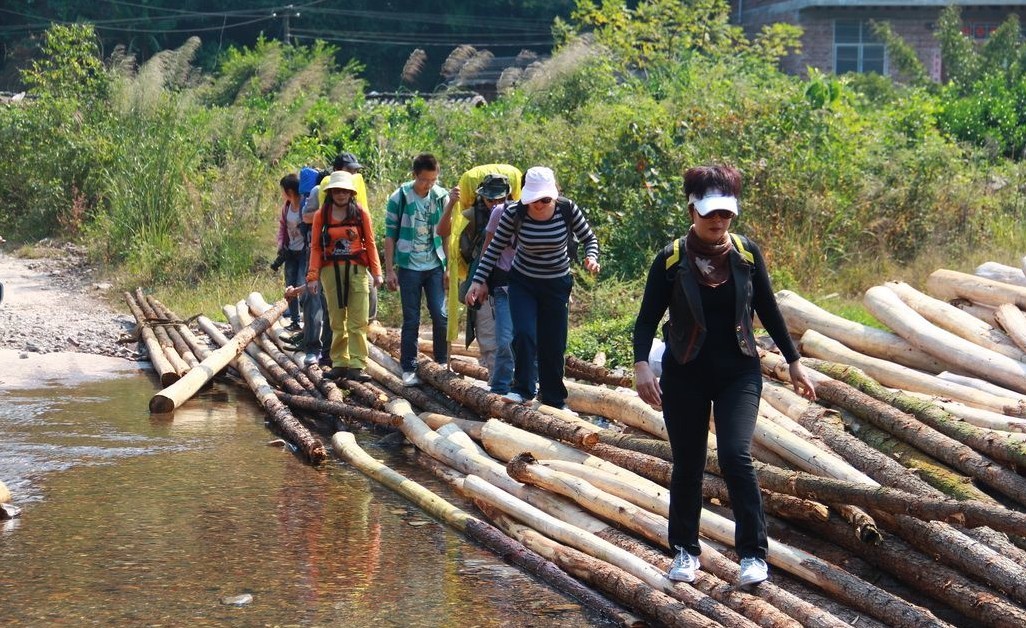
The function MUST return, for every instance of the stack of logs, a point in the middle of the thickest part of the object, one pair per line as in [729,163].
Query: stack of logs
[896,500]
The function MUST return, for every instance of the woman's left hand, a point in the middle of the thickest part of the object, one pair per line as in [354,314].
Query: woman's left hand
[591,265]
[800,380]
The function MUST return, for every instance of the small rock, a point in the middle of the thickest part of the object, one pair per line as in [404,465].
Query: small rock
[23,356]
[102,286]
[237,600]
[31,346]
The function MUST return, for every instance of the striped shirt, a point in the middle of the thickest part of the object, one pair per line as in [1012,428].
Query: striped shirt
[541,250]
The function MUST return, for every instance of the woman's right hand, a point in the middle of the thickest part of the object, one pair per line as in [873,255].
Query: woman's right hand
[477,293]
[647,385]
[313,287]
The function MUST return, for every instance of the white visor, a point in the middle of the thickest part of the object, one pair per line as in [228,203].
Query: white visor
[713,201]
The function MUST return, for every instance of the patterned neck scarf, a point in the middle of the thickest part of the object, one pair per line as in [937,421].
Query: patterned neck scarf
[710,261]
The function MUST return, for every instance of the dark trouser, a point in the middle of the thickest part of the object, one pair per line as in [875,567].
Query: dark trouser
[295,275]
[540,311]
[687,394]
[411,283]
[313,321]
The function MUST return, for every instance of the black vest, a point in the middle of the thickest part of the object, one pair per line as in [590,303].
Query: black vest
[685,331]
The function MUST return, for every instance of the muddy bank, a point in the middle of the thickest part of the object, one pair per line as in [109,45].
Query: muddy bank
[56,322]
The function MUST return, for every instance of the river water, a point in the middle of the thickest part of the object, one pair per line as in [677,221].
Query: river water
[132,520]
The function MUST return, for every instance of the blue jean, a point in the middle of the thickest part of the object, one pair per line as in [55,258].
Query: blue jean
[314,323]
[295,275]
[501,376]
[540,312]
[411,284]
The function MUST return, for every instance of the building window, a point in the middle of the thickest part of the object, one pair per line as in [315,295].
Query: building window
[978,30]
[856,49]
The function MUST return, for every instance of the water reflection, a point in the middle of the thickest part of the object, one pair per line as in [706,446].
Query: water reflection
[133,519]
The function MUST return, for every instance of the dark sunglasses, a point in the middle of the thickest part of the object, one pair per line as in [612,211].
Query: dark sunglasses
[722,214]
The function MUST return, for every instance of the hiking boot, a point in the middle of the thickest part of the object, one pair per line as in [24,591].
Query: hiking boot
[753,571]
[684,567]
[358,375]
[337,373]
[410,378]
[512,397]
[310,359]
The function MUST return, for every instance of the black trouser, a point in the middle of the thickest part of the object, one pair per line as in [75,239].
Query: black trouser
[688,393]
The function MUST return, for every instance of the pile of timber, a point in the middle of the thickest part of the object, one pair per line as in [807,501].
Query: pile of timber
[898,499]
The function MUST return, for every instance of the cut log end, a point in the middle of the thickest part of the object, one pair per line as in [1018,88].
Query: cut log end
[159,404]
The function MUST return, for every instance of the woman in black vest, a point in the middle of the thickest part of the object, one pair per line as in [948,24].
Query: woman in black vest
[712,282]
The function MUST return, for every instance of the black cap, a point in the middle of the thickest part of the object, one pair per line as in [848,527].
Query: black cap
[347,160]
[494,186]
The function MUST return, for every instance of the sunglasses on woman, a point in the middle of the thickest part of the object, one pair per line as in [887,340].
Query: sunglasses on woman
[722,214]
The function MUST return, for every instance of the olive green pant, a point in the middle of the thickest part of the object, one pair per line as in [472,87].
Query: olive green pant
[349,322]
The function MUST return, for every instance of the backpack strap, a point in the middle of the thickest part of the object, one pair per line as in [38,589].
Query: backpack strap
[673,251]
[740,243]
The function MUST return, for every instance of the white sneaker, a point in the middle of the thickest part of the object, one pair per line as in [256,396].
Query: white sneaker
[512,397]
[310,359]
[410,378]
[753,571]
[684,567]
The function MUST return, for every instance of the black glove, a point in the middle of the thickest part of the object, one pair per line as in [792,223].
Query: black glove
[279,260]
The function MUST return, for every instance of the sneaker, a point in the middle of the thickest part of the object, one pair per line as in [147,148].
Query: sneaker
[410,378]
[358,375]
[293,326]
[753,571]
[684,567]
[310,359]
[337,373]
[512,397]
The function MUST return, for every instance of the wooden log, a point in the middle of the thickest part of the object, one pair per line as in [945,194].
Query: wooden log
[987,442]
[580,369]
[804,451]
[909,429]
[165,370]
[479,489]
[949,284]
[163,339]
[290,362]
[801,564]
[1013,321]
[486,403]
[954,320]
[1001,272]
[817,345]
[199,348]
[280,416]
[463,367]
[628,409]
[435,421]
[455,348]
[983,312]
[346,447]
[346,411]
[274,371]
[170,327]
[630,591]
[927,576]
[981,384]
[1013,427]
[179,392]
[964,355]
[801,315]
[649,446]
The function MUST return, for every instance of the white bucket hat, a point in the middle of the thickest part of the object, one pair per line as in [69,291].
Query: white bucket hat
[539,182]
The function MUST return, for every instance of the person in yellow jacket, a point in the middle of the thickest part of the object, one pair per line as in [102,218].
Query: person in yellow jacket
[457,266]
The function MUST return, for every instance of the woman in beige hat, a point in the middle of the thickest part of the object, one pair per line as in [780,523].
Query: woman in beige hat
[344,261]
